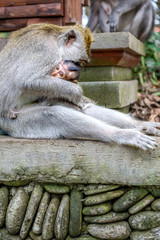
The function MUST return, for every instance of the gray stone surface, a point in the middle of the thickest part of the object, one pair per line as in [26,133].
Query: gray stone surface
[3,204]
[50,217]
[116,41]
[62,218]
[111,94]
[31,210]
[37,226]
[77,161]
[118,231]
[145,220]
[16,211]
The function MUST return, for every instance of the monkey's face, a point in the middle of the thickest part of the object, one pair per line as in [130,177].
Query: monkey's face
[74,44]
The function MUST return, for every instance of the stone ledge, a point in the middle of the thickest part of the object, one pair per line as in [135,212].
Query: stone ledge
[118,41]
[77,162]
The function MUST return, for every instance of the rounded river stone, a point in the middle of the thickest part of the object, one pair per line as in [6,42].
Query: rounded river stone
[50,217]
[156,205]
[99,209]
[16,211]
[62,219]
[145,220]
[94,189]
[37,226]
[129,199]
[102,197]
[3,204]
[4,235]
[141,204]
[31,210]
[75,222]
[56,189]
[144,235]
[119,230]
[107,218]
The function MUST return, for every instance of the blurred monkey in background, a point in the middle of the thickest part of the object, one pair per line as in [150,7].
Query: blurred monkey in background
[134,16]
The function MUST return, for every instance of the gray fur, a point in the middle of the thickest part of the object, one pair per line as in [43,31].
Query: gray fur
[54,108]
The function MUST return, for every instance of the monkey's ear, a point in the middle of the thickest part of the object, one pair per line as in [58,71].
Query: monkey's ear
[70,37]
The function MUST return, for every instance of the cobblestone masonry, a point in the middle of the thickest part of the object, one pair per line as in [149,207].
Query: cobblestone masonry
[47,212]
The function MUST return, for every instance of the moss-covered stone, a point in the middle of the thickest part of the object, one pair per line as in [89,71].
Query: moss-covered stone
[102,197]
[62,219]
[75,222]
[129,199]
[31,210]
[16,211]
[156,205]
[95,189]
[56,189]
[145,220]
[155,192]
[118,231]
[141,204]
[50,217]
[107,218]
[3,204]
[99,209]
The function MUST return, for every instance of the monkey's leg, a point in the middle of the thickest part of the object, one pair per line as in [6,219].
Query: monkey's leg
[124,6]
[93,18]
[121,120]
[145,19]
[62,122]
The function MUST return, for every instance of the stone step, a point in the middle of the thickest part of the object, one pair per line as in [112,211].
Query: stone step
[111,94]
[95,74]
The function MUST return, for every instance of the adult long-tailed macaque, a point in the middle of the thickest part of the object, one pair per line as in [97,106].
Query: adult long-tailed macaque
[55,108]
[134,16]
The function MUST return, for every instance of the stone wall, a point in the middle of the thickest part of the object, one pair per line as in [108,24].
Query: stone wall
[73,189]
[50,211]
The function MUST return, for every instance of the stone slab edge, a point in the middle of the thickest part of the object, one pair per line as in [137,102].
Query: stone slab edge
[77,161]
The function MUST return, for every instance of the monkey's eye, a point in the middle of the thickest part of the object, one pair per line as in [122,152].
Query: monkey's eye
[61,74]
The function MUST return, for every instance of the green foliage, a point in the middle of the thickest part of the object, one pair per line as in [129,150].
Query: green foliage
[148,71]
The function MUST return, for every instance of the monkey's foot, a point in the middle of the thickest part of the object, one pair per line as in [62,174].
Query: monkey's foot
[151,128]
[137,139]
[113,22]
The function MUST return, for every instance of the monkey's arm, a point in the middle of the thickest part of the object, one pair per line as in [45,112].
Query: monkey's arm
[123,7]
[55,88]
[121,120]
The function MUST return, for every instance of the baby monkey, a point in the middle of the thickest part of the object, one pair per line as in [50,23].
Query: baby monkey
[66,69]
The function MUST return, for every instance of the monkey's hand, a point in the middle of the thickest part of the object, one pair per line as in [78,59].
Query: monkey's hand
[150,128]
[136,139]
